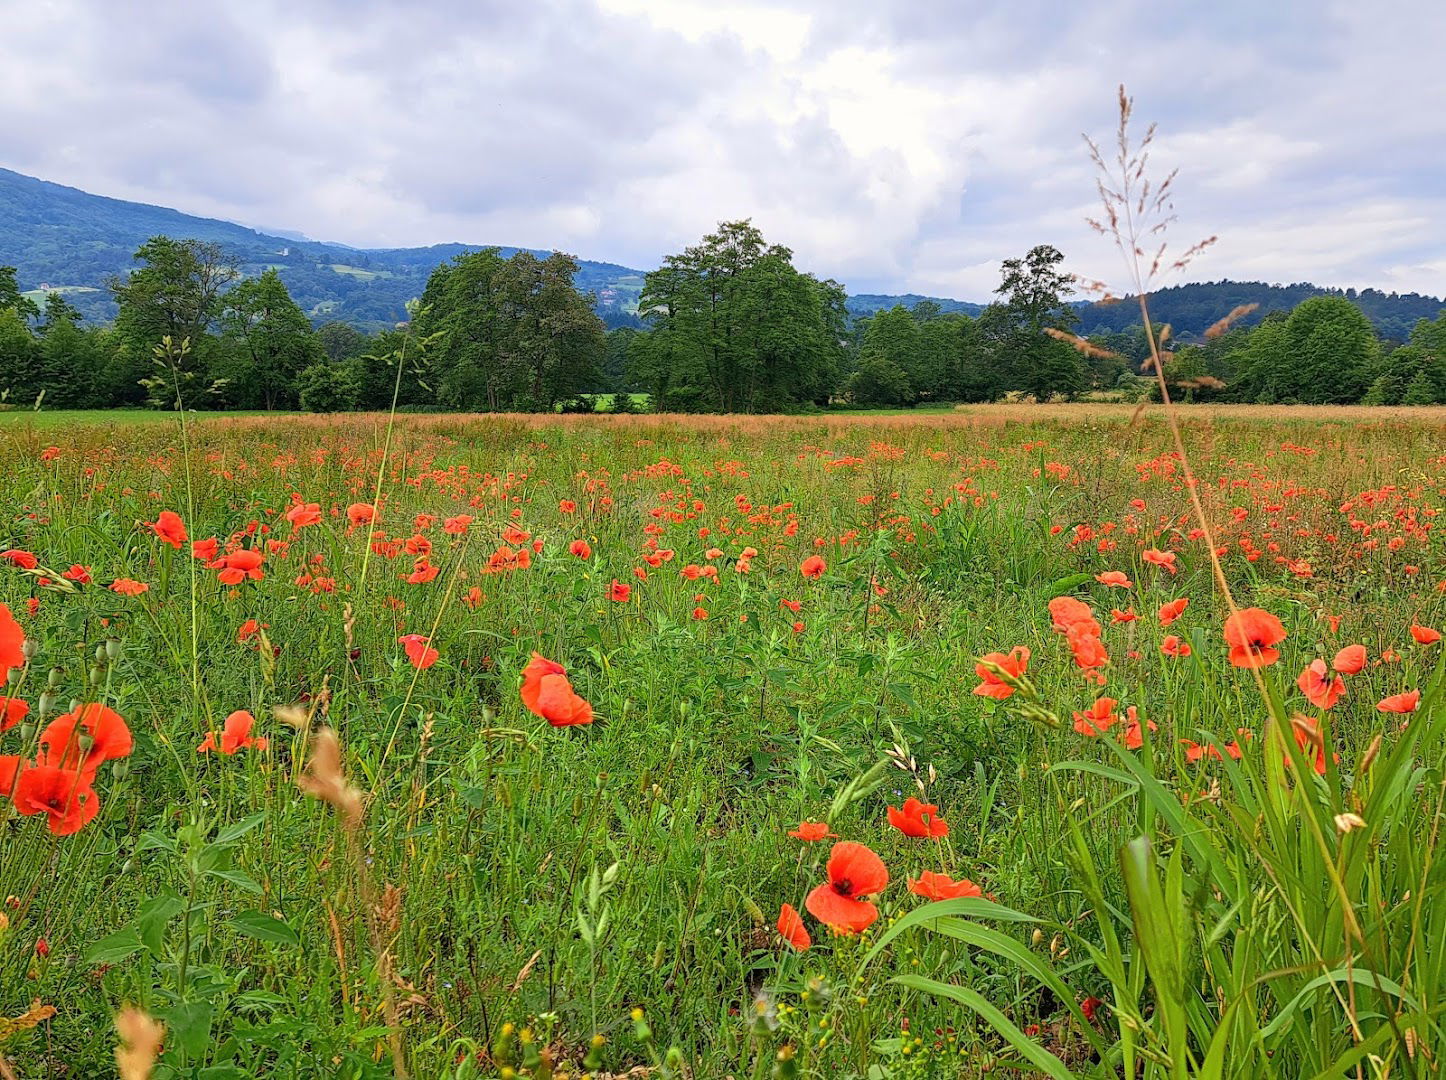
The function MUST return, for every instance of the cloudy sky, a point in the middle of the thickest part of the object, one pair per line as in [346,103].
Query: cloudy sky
[896,145]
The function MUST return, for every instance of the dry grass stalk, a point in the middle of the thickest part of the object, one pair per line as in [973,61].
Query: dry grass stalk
[141,1039]
[1218,328]
[1080,344]
[325,780]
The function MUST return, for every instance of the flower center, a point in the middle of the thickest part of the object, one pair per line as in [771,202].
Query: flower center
[844,887]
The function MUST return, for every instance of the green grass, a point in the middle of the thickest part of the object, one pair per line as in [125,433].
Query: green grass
[478,889]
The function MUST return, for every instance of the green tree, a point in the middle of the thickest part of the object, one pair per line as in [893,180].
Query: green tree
[11,298]
[735,327]
[1035,294]
[176,293]
[1324,352]
[267,343]
[1421,390]
[17,359]
[71,357]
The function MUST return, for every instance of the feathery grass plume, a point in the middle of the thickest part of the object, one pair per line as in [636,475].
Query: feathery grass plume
[325,780]
[1079,344]
[140,1043]
[1218,328]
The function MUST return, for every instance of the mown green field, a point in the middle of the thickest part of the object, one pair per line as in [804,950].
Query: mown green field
[1166,846]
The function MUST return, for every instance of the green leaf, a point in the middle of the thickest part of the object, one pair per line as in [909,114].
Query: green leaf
[1027,1048]
[116,947]
[231,833]
[152,918]
[238,878]
[263,927]
[1063,585]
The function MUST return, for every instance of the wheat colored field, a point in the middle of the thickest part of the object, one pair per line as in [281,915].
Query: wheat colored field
[913,746]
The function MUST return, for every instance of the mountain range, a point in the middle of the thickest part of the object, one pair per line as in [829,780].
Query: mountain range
[70,241]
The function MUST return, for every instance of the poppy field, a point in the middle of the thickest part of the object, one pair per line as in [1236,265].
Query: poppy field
[878,747]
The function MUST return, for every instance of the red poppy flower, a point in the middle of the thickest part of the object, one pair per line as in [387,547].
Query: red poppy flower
[1015,663]
[792,930]
[1127,616]
[853,872]
[1165,560]
[1424,635]
[240,566]
[418,651]
[1251,633]
[457,525]
[1133,736]
[810,831]
[12,643]
[60,741]
[235,735]
[64,796]
[813,567]
[619,593]
[247,630]
[302,514]
[1309,738]
[1173,610]
[9,767]
[12,711]
[77,573]
[1066,611]
[1115,579]
[361,513]
[23,559]
[566,506]
[1319,688]
[580,548]
[128,587]
[932,886]
[1351,660]
[1098,718]
[169,527]
[547,693]
[918,819]
[1400,703]
[205,549]
[1174,646]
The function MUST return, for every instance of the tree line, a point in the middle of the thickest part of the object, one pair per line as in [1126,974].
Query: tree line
[728,325]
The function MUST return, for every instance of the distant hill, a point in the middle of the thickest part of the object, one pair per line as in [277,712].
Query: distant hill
[1190,309]
[68,240]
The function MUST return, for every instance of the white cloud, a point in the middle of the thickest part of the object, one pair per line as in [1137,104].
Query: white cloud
[896,147]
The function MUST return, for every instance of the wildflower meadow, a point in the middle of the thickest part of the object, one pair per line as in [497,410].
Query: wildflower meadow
[844,747]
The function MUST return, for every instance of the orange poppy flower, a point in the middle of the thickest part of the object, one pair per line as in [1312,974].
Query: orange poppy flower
[205,549]
[1165,560]
[619,593]
[169,527]
[302,514]
[1127,616]
[128,587]
[418,651]
[1115,579]
[12,643]
[109,736]
[792,930]
[580,548]
[12,711]
[1174,646]
[932,886]
[235,735]
[1424,635]
[918,819]
[64,796]
[1015,663]
[854,872]
[9,768]
[1098,718]
[547,693]
[1133,736]
[1319,688]
[1251,635]
[810,831]
[813,567]
[361,513]
[1400,703]
[1068,610]
[1173,610]
[1351,660]
[240,566]
[23,559]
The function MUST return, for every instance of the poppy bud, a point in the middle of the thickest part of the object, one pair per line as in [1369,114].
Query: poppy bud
[53,679]
[120,769]
[42,948]
[27,731]
[100,653]
[46,705]
[97,675]
[74,705]
[85,741]
[30,648]
[112,649]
